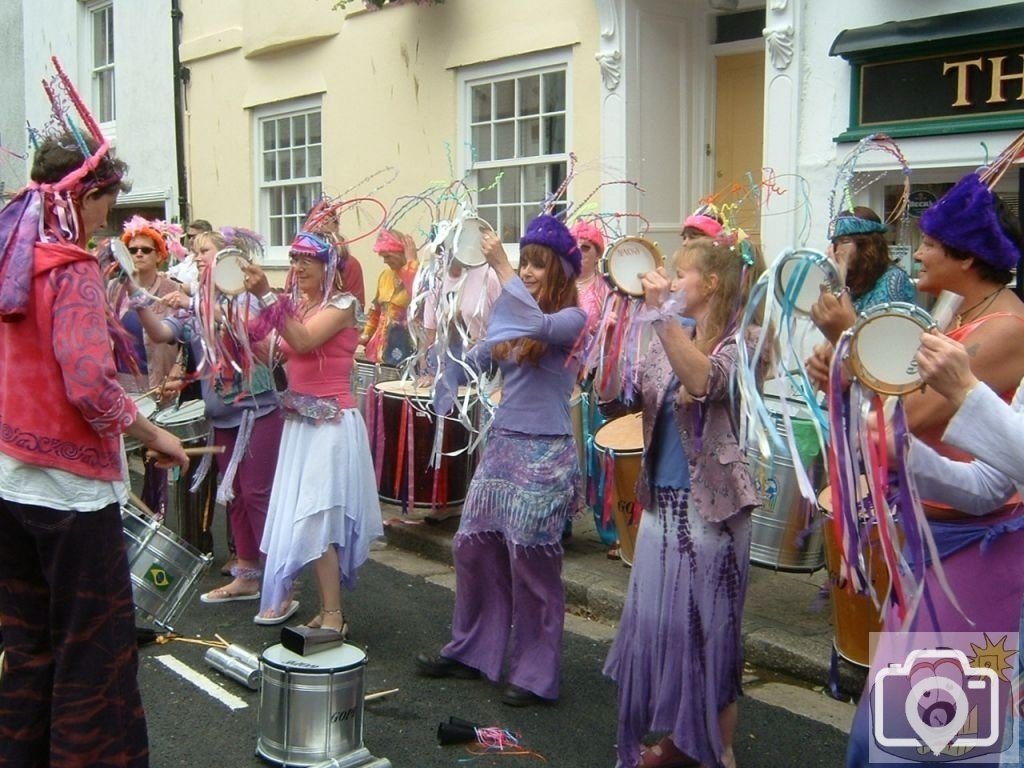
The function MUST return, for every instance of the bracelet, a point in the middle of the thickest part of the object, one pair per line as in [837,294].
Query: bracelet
[140,299]
[268,299]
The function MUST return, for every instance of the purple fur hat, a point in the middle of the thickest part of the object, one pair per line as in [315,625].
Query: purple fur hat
[965,218]
[549,231]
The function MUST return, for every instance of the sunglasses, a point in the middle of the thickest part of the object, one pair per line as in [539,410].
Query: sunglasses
[144,249]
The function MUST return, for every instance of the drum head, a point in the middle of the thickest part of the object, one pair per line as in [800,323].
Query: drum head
[816,270]
[123,258]
[628,258]
[466,247]
[885,340]
[183,413]
[228,272]
[622,435]
[335,659]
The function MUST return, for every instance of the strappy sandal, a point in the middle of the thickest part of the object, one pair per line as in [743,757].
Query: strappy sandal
[317,622]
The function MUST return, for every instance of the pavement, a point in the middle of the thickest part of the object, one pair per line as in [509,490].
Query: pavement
[787,622]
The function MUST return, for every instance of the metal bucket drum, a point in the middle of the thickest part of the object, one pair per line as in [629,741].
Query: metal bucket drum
[628,258]
[854,615]
[815,268]
[311,707]
[165,570]
[147,407]
[404,435]
[365,374]
[621,441]
[186,420]
[884,342]
[785,535]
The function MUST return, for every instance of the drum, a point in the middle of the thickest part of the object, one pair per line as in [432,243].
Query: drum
[186,420]
[854,615]
[403,441]
[786,534]
[365,374]
[628,258]
[311,707]
[165,570]
[229,272]
[465,241]
[147,407]
[815,268]
[620,442]
[884,342]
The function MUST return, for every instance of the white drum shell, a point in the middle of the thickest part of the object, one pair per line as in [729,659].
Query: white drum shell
[311,707]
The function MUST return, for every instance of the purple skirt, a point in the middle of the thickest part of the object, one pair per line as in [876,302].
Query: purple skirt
[678,654]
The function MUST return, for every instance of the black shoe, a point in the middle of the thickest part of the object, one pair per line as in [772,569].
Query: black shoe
[442,666]
[515,696]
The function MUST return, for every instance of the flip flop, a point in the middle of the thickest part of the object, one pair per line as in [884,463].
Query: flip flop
[271,620]
[229,597]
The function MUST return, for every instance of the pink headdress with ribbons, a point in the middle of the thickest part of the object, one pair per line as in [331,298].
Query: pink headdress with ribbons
[587,230]
[704,223]
[388,242]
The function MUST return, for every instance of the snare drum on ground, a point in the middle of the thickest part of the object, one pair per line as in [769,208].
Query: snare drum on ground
[165,570]
[311,707]
[620,446]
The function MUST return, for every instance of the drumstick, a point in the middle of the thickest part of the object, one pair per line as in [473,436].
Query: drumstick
[379,694]
[201,450]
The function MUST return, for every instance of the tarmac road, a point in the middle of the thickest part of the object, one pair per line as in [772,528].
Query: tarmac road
[403,605]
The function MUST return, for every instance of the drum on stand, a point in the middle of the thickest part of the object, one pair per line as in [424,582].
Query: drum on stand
[786,532]
[165,570]
[404,436]
[311,707]
[854,615]
[621,442]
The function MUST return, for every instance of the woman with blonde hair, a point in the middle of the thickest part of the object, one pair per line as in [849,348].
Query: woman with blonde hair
[678,655]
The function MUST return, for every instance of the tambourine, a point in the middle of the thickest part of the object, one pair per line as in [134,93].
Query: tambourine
[229,271]
[465,241]
[817,270]
[628,258]
[884,341]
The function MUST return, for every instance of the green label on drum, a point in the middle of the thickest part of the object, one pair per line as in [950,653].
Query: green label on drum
[158,577]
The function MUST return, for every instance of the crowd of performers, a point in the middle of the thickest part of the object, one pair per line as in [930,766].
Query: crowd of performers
[274,372]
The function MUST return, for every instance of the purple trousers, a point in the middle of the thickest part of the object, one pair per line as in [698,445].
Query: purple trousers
[509,600]
[68,697]
[254,480]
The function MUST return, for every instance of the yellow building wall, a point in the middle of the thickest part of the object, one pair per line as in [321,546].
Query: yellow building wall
[389,85]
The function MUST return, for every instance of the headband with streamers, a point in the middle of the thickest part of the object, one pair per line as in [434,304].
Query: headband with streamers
[851,179]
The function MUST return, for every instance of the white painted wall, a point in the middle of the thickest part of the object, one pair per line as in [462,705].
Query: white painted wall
[143,133]
[13,171]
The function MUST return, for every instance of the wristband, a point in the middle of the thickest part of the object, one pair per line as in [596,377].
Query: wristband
[268,299]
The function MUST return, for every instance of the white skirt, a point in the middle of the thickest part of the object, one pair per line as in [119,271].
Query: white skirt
[324,494]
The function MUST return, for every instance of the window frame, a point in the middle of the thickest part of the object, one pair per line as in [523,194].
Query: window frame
[96,73]
[277,255]
[514,69]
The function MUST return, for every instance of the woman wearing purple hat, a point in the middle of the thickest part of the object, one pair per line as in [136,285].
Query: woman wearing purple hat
[970,246]
[509,597]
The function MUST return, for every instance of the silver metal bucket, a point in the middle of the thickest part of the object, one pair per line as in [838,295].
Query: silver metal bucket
[311,707]
[786,533]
